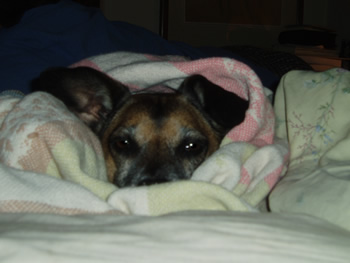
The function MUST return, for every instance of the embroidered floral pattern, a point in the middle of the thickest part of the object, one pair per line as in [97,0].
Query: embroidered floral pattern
[313,129]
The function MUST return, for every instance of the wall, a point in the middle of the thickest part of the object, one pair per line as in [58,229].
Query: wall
[333,14]
[315,12]
[143,13]
[220,34]
[338,17]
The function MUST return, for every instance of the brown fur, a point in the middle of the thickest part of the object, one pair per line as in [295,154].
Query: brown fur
[158,137]
[147,138]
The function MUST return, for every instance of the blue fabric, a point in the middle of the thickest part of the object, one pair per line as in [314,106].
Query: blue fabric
[63,33]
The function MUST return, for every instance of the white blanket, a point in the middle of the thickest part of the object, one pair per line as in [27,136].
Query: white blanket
[38,137]
[191,237]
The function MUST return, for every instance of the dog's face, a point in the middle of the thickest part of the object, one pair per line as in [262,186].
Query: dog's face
[147,138]
[156,138]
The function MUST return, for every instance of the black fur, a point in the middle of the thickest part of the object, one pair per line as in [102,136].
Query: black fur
[224,109]
[84,91]
[186,125]
[84,88]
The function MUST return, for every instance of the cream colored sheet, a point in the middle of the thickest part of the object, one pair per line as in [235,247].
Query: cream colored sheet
[185,237]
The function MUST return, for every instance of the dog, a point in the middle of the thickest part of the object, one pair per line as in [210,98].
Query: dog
[147,137]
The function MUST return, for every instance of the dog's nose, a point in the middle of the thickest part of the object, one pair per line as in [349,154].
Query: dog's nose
[150,181]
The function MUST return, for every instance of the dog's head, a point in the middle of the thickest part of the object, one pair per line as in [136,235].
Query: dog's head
[147,138]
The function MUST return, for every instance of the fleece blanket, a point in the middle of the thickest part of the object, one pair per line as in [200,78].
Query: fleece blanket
[41,143]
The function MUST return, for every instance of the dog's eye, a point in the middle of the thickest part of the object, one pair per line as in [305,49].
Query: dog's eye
[193,147]
[123,143]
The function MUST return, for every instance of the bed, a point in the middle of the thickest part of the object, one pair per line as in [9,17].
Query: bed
[276,190]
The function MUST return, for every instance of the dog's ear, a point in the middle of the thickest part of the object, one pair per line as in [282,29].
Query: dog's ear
[224,109]
[88,93]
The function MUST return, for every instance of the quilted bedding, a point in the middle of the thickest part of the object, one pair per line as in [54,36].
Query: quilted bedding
[42,143]
[312,112]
